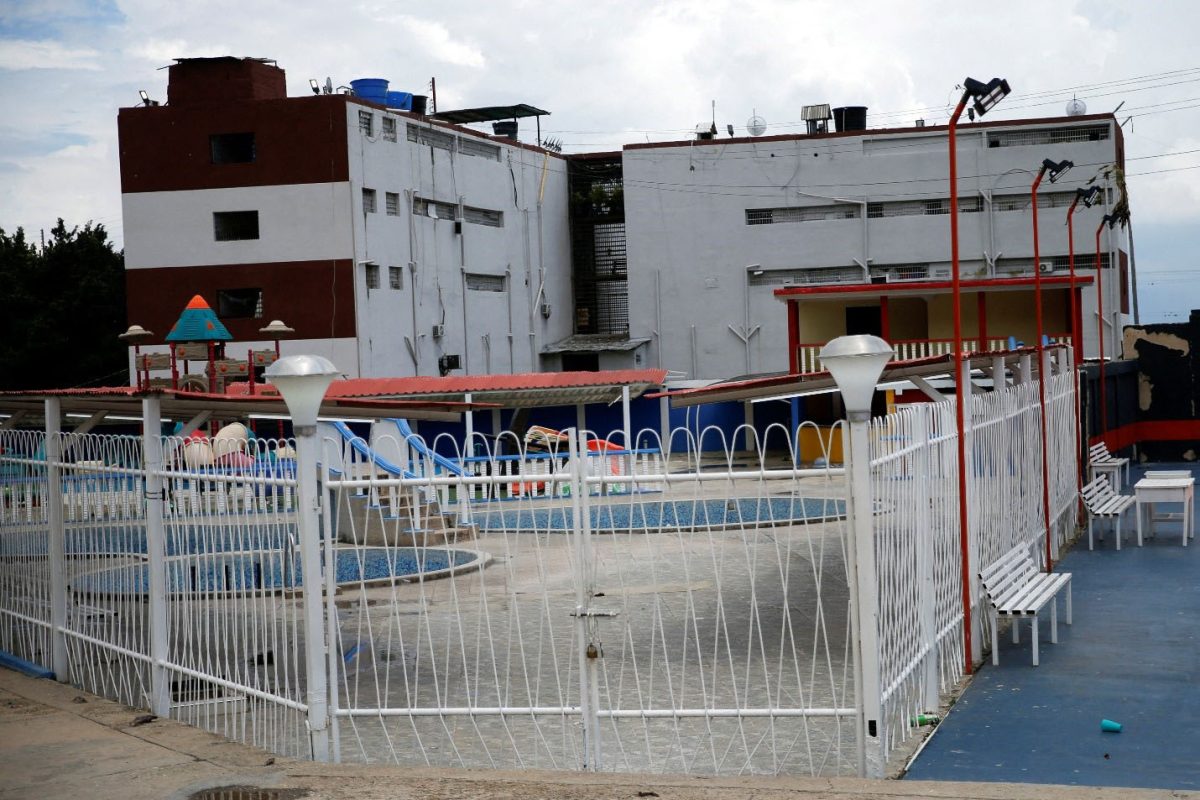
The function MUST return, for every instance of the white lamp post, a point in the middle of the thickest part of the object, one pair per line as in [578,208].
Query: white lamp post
[303,380]
[856,362]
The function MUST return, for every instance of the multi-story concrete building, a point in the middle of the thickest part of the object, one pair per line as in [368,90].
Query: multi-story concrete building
[852,230]
[402,244]
[392,244]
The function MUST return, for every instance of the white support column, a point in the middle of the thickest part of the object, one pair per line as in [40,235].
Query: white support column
[664,422]
[580,417]
[308,520]
[864,598]
[1026,368]
[469,421]
[999,378]
[627,429]
[156,555]
[496,422]
[54,512]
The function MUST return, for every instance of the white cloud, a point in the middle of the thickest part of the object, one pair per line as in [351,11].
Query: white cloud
[18,54]
[435,38]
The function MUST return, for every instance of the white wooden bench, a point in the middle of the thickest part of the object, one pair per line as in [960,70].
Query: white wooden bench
[1103,462]
[1015,588]
[1101,501]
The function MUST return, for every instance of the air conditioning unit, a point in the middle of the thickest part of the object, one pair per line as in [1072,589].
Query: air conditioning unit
[1045,266]
[439,331]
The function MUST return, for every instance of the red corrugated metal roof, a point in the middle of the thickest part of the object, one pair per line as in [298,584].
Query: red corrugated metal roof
[463,384]
[902,287]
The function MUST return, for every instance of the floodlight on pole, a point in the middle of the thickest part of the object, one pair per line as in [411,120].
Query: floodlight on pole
[302,380]
[142,93]
[1110,221]
[1056,169]
[312,84]
[985,97]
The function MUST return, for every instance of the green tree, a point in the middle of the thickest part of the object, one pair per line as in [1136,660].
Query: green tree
[61,308]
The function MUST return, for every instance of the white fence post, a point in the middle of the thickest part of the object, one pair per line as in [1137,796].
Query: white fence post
[57,550]
[974,519]
[864,599]
[927,554]
[588,650]
[156,555]
[308,520]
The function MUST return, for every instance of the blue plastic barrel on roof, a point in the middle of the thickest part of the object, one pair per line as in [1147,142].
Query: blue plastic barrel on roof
[400,100]
[372,89]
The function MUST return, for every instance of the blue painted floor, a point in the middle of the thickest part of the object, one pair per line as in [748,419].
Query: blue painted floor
[1133,656]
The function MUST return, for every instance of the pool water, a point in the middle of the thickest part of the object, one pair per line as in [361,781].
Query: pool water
[671,514]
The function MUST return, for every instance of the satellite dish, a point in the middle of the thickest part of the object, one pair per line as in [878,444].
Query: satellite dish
[1076,107]
[329,86]
[756,125]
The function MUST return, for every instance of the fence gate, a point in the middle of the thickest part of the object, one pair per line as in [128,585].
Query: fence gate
[689,618]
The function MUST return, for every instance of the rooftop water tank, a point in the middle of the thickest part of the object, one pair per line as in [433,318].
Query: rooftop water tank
[850,118]
[400,100]
[372,89]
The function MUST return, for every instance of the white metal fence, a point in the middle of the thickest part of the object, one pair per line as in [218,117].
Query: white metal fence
[689,612]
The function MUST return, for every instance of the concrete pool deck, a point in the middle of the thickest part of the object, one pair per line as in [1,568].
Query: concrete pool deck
[1132,656]
[56,741]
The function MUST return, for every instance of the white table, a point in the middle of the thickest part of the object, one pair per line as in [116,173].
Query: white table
[1149,491]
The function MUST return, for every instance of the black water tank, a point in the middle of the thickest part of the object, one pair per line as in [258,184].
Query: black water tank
[418,104]
[506,128]
[850,118]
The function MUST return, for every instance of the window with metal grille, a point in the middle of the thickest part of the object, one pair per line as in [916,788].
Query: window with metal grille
[442,141]
[391,203]
[807,275]
[232,226]
[369,206]
[480,282]
[232,148]
[1043,136]
[388,126]
[771,216]
[366,123]
[917,208]
[396,277]
[1020,202]
[483,216]
[901,272]
[472,147]
[423,207]
[372,275]
[598,261]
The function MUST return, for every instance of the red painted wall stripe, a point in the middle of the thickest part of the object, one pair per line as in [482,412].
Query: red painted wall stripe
[1171,430]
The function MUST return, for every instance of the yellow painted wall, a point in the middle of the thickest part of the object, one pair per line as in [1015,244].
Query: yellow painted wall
[908,317]
[822,320]
[815,441]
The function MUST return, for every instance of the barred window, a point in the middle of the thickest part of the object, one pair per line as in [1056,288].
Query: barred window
[391,202]
[366,123]
[771,216]
[232,226]
[473,147]
[395,277]
[480,282]
[427,136]
[1044,136]
[372,275]
[389,129]
[369,206]
[483,216]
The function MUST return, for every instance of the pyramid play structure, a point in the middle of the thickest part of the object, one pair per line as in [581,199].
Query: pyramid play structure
[198,323]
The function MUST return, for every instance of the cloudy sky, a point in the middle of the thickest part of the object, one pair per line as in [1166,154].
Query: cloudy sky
[618,71]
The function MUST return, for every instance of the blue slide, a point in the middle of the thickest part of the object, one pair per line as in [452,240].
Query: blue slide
[417,444]
[364,450]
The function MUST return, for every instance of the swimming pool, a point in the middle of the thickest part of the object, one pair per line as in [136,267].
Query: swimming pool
[671,515]
[272,571]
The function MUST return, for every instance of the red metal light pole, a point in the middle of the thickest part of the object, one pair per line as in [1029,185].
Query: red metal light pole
[1088,196]
[986,96]
[1055,171]
[1108,220]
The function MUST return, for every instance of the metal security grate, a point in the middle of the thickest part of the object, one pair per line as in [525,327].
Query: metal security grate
[598,246]
[917,208]
[484,216]
[423,207]
[389,129]
[1021,202]
[366,123]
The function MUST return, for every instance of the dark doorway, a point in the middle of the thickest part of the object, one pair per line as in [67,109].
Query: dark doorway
[864,319]
[580,362]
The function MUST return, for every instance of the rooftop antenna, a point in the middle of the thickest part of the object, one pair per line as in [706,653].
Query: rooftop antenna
[756,125]
[328,85]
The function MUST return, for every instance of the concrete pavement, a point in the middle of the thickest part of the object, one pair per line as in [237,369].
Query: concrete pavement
[56,741]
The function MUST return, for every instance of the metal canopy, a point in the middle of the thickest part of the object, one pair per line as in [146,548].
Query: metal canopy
[126,401]
[489,114]
[814,382]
